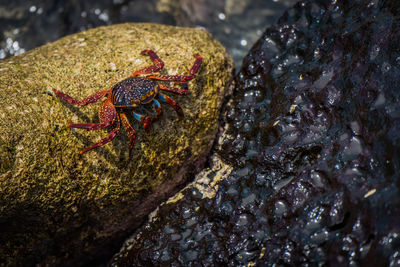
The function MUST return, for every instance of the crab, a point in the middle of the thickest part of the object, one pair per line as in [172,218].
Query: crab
[141,88]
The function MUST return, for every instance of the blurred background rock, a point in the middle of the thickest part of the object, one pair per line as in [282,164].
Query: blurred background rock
[237,24]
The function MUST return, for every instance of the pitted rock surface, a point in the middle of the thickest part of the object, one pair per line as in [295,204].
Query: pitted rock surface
[312,135]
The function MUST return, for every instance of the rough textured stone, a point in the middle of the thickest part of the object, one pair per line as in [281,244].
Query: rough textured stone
[312,135]
[61,208]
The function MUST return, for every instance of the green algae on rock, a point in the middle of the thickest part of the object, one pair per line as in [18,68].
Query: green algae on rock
[59,207]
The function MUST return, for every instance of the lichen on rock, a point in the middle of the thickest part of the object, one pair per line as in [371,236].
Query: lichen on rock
[59,207]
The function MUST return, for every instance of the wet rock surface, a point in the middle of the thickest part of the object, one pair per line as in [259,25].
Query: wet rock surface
[310,149]
[62,208]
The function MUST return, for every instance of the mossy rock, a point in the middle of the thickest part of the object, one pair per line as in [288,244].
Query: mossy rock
[62,208]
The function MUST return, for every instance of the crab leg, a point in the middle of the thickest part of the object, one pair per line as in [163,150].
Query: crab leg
[158,109]
[129,129]
[107,116]
[104,141]
[89,100]
[90,126]
[196,65]
[181,78]
[171,102]
[158,64]
[181,91]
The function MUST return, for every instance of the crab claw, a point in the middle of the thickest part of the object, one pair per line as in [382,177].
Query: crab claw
[147,123]
[145,52]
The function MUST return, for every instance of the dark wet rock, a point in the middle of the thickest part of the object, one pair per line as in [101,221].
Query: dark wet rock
[312,135]
[61,208]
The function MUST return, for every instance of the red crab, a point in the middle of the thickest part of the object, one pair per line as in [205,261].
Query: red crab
[130,93]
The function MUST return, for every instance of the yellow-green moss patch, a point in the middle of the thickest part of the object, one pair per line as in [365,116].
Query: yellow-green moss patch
[59,207]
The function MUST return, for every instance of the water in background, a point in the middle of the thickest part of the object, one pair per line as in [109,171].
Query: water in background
[237,24]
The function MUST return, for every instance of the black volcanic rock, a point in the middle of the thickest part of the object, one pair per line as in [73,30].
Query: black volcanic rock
[312,133]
